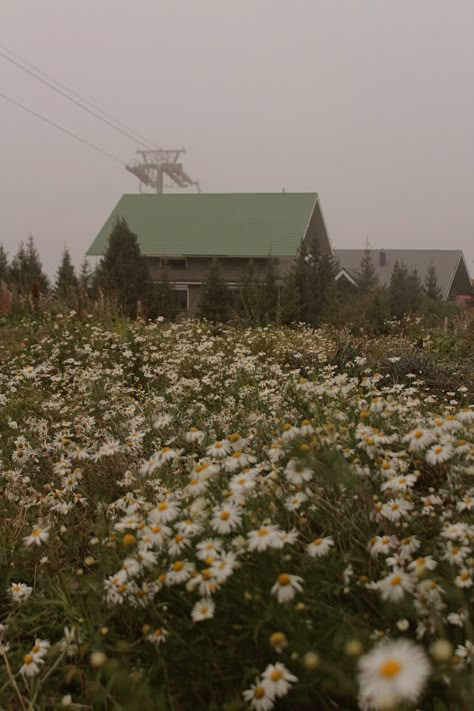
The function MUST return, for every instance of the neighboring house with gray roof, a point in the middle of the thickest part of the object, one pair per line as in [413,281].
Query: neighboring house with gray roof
[185,232]
[451,268]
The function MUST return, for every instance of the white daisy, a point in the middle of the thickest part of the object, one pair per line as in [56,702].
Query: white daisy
[278,679]
[392,673]
[286,587]
[320,546]
[203,610]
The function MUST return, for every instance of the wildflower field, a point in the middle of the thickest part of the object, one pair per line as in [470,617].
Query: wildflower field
[195,517]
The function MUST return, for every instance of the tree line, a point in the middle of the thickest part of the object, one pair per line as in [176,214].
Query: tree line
[309,291]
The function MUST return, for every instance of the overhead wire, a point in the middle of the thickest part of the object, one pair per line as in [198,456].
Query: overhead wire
[61,128]
[79,101]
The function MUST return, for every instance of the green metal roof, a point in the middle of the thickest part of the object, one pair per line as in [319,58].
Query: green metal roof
[213,224]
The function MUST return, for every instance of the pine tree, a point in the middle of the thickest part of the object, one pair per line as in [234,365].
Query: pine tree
[431,286]
[85,277]
[3,264]
[398,290]
[315,278]
[366,277]
[162,301]
[291,307]
[26,270]
[404,291]
[123,273]
[214,303]
[415,290]
[250,304]
[271,294]
[66,279]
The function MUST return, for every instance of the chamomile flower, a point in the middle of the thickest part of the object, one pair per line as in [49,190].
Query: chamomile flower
[37,536]
[278,679]
[19,592]
[395,585]
[259,696]
[320,546]
[439,454]
[226,518]
[286,587]
[392,673]
[203,610]
[267,536]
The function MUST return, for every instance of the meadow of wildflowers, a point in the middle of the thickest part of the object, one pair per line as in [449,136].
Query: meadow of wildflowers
[202,518]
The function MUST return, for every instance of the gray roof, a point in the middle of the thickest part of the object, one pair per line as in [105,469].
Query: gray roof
[445,261]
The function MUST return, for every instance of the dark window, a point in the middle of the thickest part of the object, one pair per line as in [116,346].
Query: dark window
[182,298]
[174,263]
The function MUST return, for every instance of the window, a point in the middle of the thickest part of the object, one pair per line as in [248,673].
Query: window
[173,263]
[182,297]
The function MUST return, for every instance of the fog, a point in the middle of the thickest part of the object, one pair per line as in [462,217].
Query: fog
[368,103]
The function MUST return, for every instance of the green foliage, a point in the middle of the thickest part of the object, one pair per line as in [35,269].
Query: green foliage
[405,290]
[215,301]
[367,279]
[123,274]
[291,308]
[431,286]
[315,279]
[66,279]
[26,271]
[251,299]
[162,300]
[3,264]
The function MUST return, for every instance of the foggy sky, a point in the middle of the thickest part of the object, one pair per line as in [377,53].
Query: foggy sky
[368,102]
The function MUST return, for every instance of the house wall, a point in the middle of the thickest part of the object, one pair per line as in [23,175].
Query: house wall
[195,273]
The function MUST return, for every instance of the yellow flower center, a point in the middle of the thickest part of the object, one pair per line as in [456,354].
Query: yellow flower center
[128,539]
[438,450]
[36,648]
[237,454]
[36,532]
[305,423]
[390,668]
[259,692]
[418,434]
[317,541]
[28,659]
[276,675]
[284,579]
[156,529]
[396,580]
[224,515]
[262,532]
[218,445]
[234,437]
[162,506]
[178,565]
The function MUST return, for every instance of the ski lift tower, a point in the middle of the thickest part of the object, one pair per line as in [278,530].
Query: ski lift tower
[153,165]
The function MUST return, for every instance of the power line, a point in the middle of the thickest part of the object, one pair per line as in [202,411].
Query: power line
[61,128]
[113,123]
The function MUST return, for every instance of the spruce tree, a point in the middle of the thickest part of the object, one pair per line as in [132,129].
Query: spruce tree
[291,308]
[250,304]
[366,276]
[431,286]
[123,273]
[85,277]
[66,279]
[3,264]
[162,301]
[214,304]
[315,277]
[26,270]
[404,291]
[271,294]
